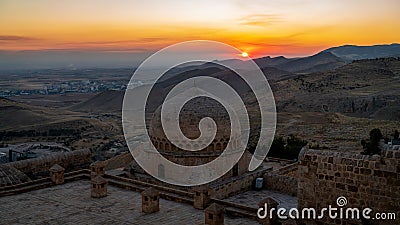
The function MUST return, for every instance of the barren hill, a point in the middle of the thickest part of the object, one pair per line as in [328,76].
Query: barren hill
[105,102]
[322,61]
[272,61]
[365,88]
[16,116]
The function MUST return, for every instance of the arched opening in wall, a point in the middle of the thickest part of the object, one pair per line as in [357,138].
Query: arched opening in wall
[218,147]
[156,144]
[161,171]
[162,146]
[167,148]
[210,148]
[225,145]
[235,170]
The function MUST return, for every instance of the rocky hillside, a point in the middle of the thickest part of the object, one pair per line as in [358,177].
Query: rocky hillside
[365,88]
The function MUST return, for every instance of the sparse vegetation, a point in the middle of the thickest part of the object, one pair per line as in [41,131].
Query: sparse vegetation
[396,135]
[371,146]
[286,148]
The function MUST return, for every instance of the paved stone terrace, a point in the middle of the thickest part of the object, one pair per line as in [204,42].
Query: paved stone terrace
[252,198]
[71,203]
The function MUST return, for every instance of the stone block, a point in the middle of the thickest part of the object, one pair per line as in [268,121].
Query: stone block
[214,215]
[150,200]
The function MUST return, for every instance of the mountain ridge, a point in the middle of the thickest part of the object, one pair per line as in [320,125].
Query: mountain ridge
[357,52]
[67,59]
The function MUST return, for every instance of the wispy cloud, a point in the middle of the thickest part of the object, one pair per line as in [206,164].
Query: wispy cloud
[117,42]
[261,20]
[16,38]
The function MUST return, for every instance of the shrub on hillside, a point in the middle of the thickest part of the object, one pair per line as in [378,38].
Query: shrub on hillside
[288,148]
[371,146]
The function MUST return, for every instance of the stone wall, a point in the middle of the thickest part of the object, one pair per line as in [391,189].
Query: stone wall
[42,183]
[280,180]
[234,185]
[40,166]
[365,181]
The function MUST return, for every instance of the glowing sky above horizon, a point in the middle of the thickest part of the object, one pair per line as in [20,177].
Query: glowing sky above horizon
[258,27]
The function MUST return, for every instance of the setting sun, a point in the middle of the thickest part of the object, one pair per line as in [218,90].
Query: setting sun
[245,54]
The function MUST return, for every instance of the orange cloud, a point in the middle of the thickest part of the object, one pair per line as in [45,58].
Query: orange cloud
[13,38]
[261,20]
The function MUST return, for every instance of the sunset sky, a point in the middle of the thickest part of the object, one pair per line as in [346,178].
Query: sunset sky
[259,27]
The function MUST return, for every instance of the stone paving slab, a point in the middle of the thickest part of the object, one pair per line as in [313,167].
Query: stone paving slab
[71,203]
[252,198]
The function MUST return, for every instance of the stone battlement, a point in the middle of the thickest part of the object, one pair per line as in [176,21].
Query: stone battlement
[366,181]
[69,160]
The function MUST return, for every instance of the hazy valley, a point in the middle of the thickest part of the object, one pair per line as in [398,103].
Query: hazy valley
[327,99]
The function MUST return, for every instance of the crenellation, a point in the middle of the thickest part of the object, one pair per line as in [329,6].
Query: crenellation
[57,174]
[98,187]
[150,200]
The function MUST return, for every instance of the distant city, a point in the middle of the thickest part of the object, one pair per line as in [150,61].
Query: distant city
[87,86]
[62,81]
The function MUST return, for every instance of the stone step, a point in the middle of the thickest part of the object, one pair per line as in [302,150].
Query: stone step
[27,188]
[139,188]
[236,212]
[145,184]
[38,184]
